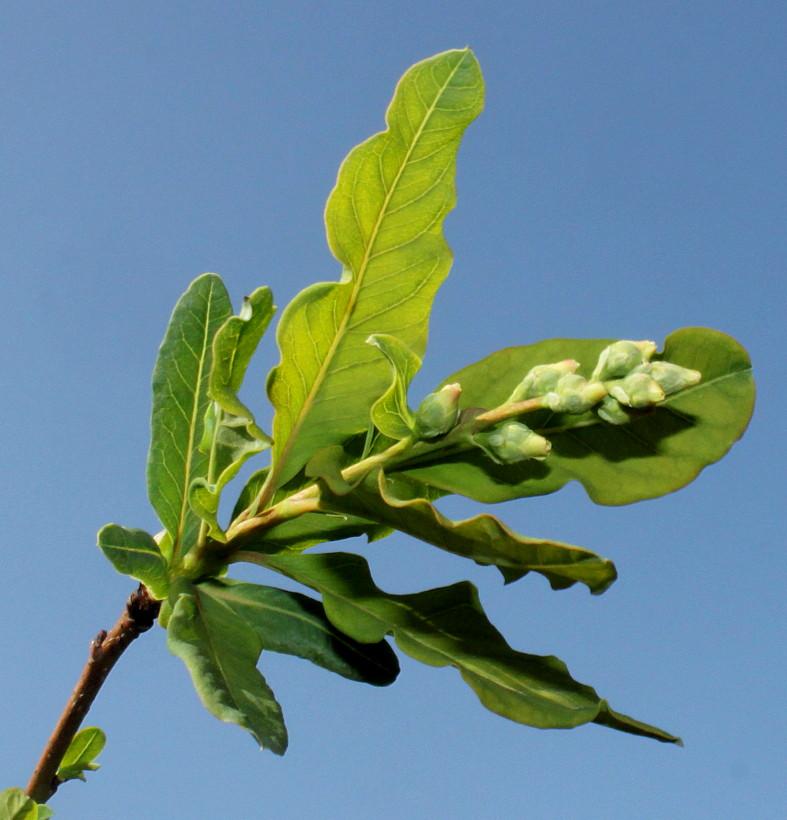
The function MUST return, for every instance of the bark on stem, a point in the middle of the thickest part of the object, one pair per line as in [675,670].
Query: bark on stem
[105,649]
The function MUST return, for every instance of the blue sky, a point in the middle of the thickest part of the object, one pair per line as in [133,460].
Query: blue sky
[627,178]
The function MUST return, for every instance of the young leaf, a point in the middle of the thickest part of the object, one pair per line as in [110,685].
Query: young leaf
[655,453]
[16,805]
[447,626]
[390,413]
[384,220]
[134,552]
[85,747]
[180,401]
[393,501]
[295,624]
[233,347]
[220,650]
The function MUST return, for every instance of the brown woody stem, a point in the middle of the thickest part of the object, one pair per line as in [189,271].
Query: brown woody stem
[105,649]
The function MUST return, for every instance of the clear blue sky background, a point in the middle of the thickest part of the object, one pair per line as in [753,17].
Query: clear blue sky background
[627,178]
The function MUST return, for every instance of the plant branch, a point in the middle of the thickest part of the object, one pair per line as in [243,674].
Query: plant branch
[105,649]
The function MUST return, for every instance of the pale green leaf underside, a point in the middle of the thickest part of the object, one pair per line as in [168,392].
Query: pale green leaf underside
[294,624]
[391,414]
[79,758]
[16,805]
[384,221]
[180,401]
[221,651]
[447,626]
[654,454]
[135,552]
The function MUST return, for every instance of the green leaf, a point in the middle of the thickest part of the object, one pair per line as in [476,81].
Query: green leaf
[483,539]
[220,650]
[384,220]
[85,747]
[180,402]
[16,805]
[390,413]
[135,552]
[655,453]
[233,347]
[294,624]
[447,626]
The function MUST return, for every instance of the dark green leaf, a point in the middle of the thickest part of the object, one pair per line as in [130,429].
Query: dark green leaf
[16,805]
[384,221]
[447,626]
[180,402]
[657,452]
[394,502]
[135,552]
[295,624]
[221,651]
[85,747]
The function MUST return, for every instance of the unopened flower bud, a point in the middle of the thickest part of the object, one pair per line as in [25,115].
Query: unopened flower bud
[541,379]
[620,358]
[438,412]
[574,394]
[636,390]
[611,411]
[672,378]
[513,442]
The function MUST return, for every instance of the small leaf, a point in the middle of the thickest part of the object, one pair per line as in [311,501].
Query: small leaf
[447,626]
[221,650]
[390,413]
[16,805]
[384,221]
[655,453]
[295,624]
[233,346]
[394,501]
[85,747]
[134,552]
[180,402]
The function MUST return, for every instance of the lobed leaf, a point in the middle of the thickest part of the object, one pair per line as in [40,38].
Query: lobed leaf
[79,758]
[16,805]
[135,552]
[394,501]
[384,221]
[294,624]
[180,402]
[655,453]
[447,626]
[221,650]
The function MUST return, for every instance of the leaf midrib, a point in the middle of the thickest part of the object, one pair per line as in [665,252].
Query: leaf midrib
[359,279]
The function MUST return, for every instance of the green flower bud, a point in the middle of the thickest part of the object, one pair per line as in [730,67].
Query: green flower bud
[620,358]
[541,379]
[611,411]
[672,378]
[574,394]
[438,412]
[513,442]
[637,390]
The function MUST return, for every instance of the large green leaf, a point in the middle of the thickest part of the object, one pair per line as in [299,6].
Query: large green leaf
[294,624]
[394,502]
[384,221]
[180,401]
[655,453]
[135,552]
[220,650]
[79,758]
[447,626]
[16,805]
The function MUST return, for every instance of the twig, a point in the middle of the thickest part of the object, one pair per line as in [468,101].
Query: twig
[105,649]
